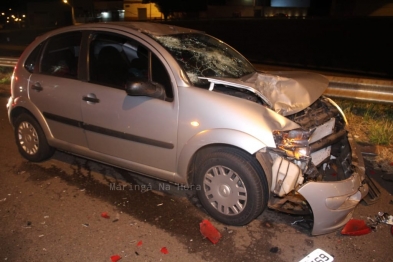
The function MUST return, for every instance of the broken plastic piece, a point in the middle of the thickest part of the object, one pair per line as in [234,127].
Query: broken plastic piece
[355,227]
[164,250]
[385,218]
[105,215]
[140,243]
[115,258]
[209,231]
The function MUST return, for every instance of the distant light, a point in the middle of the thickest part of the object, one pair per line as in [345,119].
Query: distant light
[13,16]
[105,14]
[65,1]
[23,16]
[2,13]
[194,123]
[10,9]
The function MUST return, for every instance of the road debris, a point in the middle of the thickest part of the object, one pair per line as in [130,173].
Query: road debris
[381,217]
[209,231]
[164,250]
[355,227]
[4,199]
[115,258]
[117,217]
[140,243]
[274,250]
[318,255]
[85,225]
[160,204]
[105,215]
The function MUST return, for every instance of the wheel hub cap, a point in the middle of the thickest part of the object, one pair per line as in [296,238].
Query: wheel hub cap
[28,138]
[225,190]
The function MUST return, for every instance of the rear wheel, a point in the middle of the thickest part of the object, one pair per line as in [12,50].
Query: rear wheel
[231,186]
[31,140]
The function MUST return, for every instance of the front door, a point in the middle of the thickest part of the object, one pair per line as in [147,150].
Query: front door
[139,129]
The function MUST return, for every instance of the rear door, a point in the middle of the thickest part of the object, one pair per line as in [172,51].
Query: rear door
[55,89]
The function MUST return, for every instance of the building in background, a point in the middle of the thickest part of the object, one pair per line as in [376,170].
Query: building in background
[137,10]
[258,8]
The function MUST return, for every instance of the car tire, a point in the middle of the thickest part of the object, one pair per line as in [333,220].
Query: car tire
[231,186]
[31,140]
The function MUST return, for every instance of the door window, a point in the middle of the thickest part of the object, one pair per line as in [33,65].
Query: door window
[115,59]
[33,58]
[61,55]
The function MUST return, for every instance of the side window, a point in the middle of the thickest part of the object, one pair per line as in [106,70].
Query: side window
[61,55]
[115,59]
[32,60]
[111,60]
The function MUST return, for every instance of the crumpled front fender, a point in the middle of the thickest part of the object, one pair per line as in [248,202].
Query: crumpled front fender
[333,203]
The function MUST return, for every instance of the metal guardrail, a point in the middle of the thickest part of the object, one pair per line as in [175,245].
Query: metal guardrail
[368,90]
[8,61]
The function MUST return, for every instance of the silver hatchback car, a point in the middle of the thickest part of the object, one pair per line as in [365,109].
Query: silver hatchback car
[182,106]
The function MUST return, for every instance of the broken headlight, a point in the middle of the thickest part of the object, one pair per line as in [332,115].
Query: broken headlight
[294,143]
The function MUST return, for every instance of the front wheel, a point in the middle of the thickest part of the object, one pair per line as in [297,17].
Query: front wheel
[31,140]
[231,186]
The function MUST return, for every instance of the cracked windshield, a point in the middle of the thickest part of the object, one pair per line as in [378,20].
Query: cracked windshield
[204,56]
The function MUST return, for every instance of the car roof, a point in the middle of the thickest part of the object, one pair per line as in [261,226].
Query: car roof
[144,27]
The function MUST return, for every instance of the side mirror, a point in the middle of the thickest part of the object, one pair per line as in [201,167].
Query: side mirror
[142,87]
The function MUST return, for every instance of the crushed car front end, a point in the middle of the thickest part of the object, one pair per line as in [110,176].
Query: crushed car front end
[317,167]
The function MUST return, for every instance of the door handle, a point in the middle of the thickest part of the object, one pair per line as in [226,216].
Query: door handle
[37,87]
[91,99]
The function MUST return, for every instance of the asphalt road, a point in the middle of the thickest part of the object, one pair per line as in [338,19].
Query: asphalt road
[51,211]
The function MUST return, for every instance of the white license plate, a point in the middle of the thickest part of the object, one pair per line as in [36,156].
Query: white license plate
[318,255]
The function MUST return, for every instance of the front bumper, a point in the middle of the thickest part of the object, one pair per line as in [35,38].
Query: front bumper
[333,202]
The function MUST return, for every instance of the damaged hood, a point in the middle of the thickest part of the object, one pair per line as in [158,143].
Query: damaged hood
[285,92]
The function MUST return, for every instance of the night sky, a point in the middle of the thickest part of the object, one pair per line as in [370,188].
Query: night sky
[18,4]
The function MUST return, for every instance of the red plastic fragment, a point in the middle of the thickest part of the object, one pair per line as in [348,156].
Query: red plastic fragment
[355,227]
[105,215]
[115,258]
[139,243]
[164,250]
[209,231]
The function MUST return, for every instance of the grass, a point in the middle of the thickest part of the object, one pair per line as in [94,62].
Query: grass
[5,75]
[372,119]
